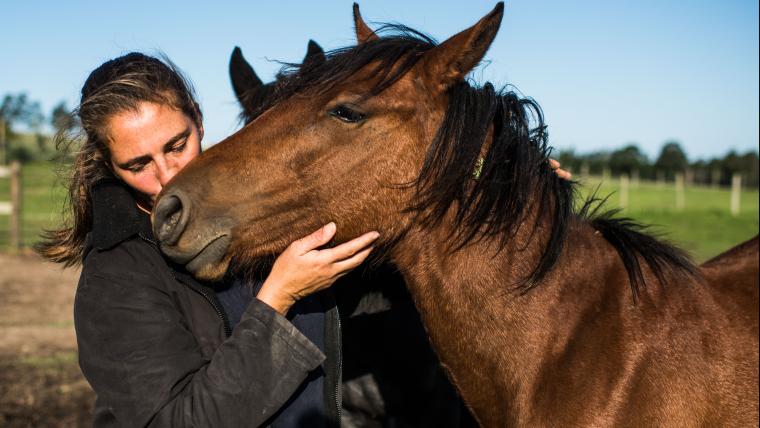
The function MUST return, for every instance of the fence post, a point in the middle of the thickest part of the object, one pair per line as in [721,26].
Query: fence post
[605,175]
[635,179]
[585,170]
[624,191]
[689,176]
[15,223]
[736,188]
[680,197]
[715,178]
[2,141]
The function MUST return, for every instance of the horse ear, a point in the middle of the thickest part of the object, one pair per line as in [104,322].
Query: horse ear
[364,34]
[315,55]
[244,79]
[449,62]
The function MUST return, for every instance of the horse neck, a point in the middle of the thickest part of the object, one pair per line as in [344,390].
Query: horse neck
[490,338]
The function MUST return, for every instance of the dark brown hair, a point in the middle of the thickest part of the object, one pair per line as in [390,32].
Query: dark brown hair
[116,86]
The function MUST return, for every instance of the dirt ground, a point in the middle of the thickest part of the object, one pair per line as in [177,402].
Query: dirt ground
[40,381]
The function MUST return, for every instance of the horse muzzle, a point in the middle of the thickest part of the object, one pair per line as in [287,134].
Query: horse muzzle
[199,244]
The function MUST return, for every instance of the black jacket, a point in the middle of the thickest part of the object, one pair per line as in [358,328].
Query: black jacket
[156,347]
[154,344]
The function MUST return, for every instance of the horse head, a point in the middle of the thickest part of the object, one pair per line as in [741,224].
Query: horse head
[340,140]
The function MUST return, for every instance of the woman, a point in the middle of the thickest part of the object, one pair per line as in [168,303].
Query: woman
[156,345]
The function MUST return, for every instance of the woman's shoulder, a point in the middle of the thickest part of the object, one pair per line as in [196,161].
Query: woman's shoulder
[134,263]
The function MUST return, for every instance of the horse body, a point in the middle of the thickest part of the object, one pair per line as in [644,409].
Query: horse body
[577,351]
[541,315]
[736,279]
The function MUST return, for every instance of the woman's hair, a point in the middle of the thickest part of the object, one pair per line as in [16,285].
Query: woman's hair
[118,85]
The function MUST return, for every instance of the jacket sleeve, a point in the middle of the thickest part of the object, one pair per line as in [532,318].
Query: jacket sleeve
[143,362]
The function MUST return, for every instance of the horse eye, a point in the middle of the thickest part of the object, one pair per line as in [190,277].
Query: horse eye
[347,114]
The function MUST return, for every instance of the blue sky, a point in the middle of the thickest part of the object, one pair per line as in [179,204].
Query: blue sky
[606,73]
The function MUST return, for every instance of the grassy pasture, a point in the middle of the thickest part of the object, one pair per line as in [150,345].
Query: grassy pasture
[705,227]
[43,198]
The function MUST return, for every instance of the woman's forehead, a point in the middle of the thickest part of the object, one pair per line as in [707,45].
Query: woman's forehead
[147,127]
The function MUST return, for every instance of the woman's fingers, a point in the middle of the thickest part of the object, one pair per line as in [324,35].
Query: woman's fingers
[561,173]
[348,249]
[316,239]
[346,265]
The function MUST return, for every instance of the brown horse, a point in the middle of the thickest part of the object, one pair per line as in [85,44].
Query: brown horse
[542,315]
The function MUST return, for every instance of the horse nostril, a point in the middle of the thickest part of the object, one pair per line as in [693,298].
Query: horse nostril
[169,223]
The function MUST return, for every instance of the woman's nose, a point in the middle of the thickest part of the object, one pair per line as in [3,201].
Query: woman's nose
[166,172]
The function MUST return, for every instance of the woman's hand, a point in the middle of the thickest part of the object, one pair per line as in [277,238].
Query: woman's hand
[302,270]
[561,173]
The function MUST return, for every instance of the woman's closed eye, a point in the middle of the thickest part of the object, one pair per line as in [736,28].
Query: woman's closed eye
[179,146]
[136,168]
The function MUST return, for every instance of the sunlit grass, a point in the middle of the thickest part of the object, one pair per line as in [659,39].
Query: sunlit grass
[705,226]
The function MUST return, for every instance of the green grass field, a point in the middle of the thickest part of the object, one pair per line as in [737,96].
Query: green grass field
[705,227]
[43,198]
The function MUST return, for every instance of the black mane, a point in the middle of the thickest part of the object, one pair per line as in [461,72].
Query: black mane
[496,186]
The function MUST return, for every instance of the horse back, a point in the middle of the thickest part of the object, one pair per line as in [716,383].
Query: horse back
[735,277]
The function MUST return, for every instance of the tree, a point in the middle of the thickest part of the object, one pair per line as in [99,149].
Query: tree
[672,159]
[751,164]
[596,161]
[627,160]
[569,161]
[16,109]
[62,119]
[19,109]
[746,165]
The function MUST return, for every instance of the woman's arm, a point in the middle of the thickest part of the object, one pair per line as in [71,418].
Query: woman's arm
[138,352]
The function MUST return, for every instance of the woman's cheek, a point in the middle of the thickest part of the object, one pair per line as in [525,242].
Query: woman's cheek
[147,185]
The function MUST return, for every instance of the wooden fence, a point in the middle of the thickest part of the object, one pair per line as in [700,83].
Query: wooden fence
[12,208]
[680,194]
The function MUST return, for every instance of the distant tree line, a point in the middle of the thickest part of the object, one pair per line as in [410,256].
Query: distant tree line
[35,143]
[24,135]
[672,160]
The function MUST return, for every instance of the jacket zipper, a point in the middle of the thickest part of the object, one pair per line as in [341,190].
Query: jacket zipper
[339,381]
[210,299]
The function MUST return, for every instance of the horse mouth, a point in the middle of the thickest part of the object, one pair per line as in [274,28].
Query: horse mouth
[209,257]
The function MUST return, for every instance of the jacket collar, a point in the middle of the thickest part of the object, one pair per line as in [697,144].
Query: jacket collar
[115,216]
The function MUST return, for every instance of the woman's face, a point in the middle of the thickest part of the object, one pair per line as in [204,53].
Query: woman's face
[150,145]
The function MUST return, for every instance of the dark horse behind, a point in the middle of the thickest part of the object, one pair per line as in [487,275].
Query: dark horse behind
[543,314]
